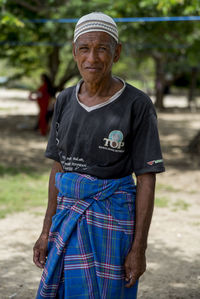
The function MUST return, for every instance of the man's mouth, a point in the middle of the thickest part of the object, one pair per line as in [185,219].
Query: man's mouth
[92,68]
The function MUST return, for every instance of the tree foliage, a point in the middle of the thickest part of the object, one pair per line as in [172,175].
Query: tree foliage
[172,45]
[36,47]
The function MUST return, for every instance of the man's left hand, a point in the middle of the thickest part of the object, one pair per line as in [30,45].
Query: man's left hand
[135,266]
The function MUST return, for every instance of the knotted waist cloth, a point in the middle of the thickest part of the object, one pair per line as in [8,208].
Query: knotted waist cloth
[90,237]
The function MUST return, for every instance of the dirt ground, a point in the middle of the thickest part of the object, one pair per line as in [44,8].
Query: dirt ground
[173,253]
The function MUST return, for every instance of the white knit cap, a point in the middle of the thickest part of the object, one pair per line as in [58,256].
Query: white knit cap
[96,21]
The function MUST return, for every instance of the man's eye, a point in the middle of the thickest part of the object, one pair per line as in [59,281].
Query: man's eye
[102,48]
[83,48]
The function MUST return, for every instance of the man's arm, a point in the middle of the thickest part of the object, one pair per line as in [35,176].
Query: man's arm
[135,263]
[40,247]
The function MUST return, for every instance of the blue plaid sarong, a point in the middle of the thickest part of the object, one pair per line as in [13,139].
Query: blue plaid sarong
[91,234]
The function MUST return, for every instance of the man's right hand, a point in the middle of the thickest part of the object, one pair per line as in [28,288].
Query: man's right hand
[40,251]
[40,248]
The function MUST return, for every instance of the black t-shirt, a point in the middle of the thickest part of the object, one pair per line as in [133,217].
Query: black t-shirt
[109,142]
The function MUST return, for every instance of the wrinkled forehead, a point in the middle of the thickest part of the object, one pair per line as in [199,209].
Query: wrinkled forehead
[96,37]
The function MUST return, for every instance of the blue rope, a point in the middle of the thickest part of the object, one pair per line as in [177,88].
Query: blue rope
[121,20]
[144,19]
[44,43]
[158,19]
[18,43]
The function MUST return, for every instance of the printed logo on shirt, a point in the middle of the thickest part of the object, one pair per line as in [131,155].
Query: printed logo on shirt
[154,162]
[114,142]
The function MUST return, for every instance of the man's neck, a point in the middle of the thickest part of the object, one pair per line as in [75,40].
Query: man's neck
[93,93]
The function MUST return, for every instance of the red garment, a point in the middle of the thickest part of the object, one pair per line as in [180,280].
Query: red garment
[43,102]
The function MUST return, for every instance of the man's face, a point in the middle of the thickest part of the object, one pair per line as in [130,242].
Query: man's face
[94,53]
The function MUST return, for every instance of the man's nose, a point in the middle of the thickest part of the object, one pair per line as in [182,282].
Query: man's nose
[92,56]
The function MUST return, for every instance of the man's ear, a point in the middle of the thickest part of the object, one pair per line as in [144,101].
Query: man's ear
[117,52]
[74,50]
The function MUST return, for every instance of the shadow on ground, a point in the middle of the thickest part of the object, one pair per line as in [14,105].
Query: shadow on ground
[176,135]
[20,278]
[22,146]
[180,275]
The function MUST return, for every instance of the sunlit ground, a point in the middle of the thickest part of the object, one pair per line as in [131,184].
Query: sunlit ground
[173,253]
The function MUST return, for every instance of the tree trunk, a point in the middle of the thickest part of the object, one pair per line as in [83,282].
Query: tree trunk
[53,63]
[70,72]
[194,145]
[159,82]
[192,87]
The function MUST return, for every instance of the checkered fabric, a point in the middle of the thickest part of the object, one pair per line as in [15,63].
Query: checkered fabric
[90,236]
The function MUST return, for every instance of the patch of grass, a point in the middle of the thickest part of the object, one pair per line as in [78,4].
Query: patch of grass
[180,204]
[38,213]
[192,192]
[8,108]
[161,202]
[197,223]
[168,188]
[4,109]
[21,188]
[13,171]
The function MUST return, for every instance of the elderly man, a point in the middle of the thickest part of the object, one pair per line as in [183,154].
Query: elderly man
[97,221]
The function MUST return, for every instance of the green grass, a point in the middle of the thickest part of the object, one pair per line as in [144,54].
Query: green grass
[192,192]
[197,223]
[21,188]
[7,109]
[180,204]
[168,188]
[161,202]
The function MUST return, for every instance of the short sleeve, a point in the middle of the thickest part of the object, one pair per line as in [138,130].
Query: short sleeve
[146,150]
[52,148]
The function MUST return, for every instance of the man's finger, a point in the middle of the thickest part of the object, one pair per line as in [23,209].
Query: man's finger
[36,254]
[36,258]
[42,258]
[127,273]
[131,283]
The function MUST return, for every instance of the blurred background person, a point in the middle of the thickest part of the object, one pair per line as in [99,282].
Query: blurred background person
[43,96]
